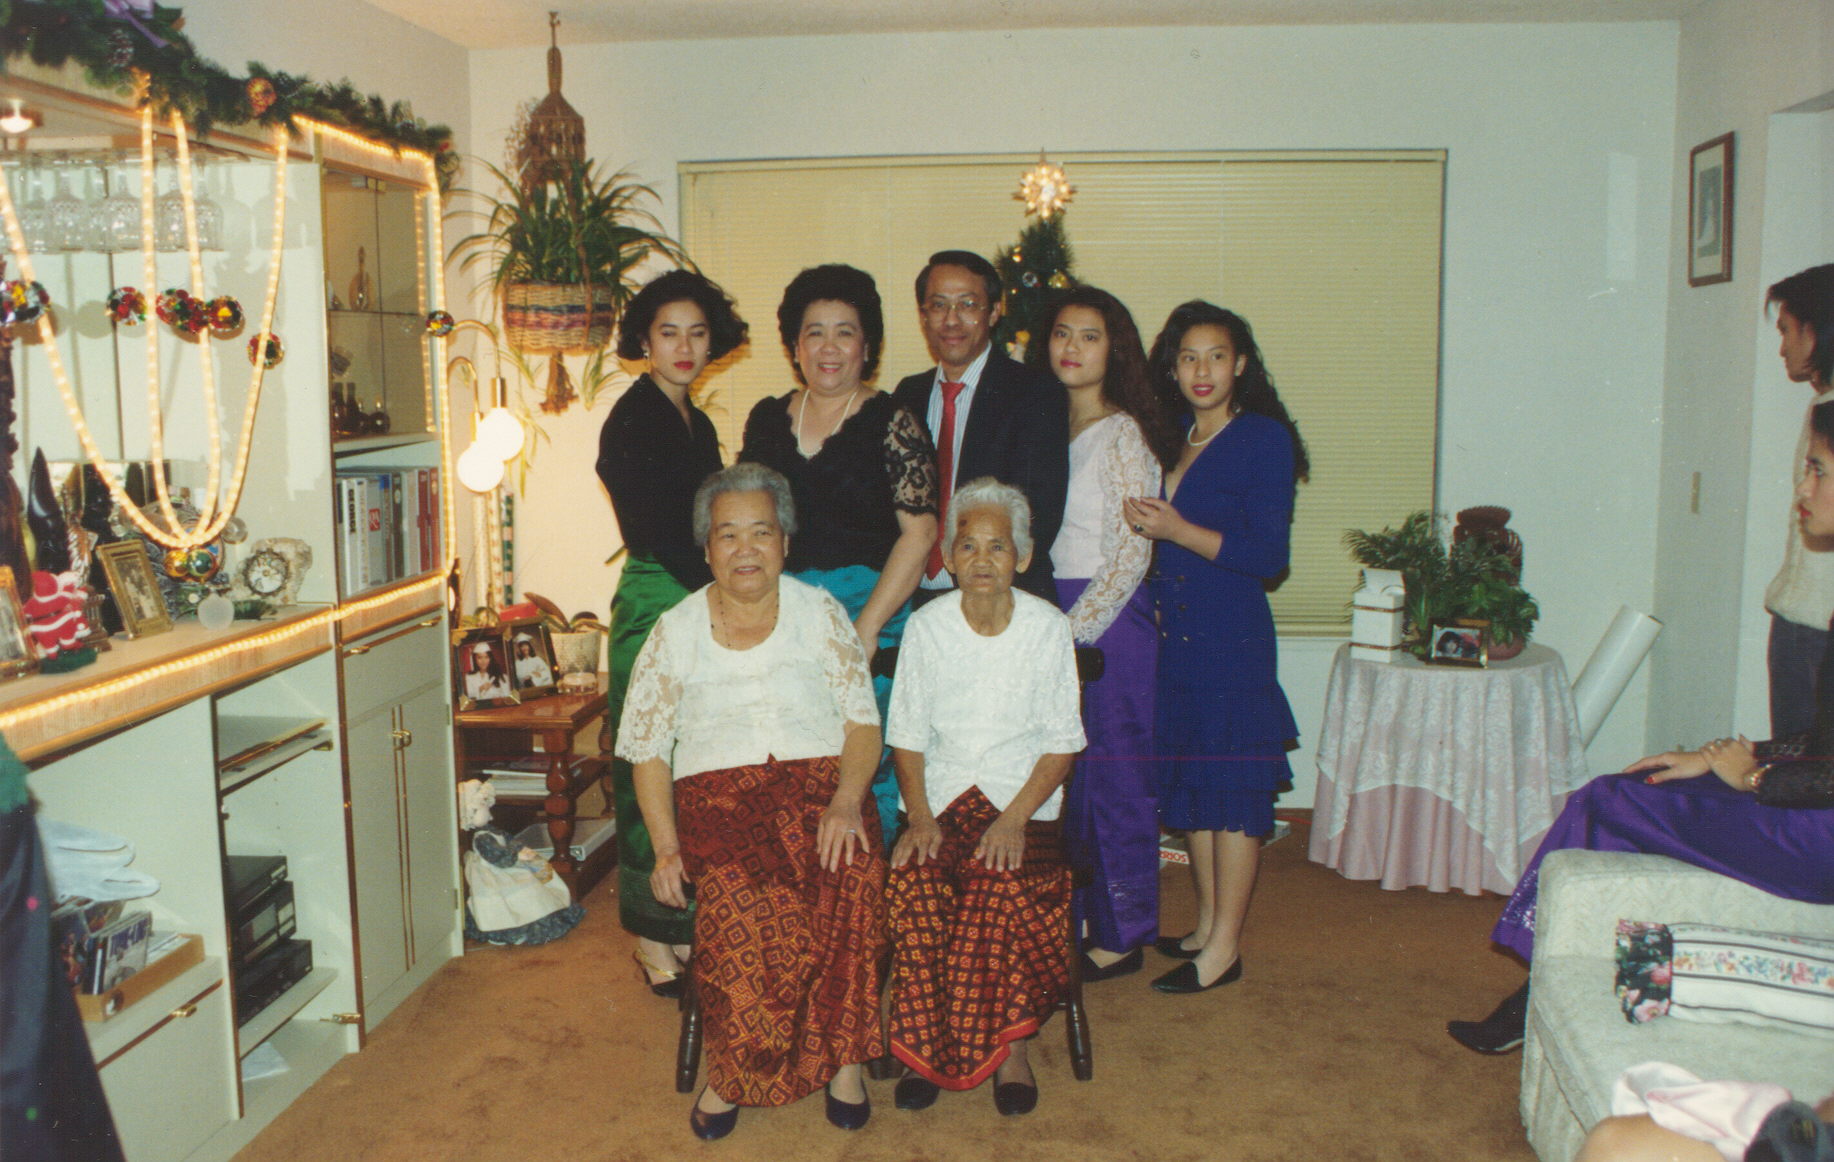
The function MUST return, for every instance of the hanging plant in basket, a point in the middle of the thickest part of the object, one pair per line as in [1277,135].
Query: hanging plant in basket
[563,253]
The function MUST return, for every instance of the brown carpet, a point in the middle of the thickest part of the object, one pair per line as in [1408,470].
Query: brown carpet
[1330,1048]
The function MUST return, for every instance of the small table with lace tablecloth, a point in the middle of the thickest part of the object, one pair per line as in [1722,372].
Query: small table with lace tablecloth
[1443,776]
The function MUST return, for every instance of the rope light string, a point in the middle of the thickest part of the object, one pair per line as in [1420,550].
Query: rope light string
[208,527]
[212,428]
[213,517]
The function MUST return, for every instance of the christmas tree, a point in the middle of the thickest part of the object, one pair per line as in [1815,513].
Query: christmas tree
[1037,265]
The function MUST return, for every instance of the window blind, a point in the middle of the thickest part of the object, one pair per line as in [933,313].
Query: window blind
[1334,258]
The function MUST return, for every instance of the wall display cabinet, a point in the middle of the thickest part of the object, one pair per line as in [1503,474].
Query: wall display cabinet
[321,734]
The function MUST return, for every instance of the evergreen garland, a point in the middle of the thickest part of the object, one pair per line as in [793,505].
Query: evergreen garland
[1039,264]
[112,50]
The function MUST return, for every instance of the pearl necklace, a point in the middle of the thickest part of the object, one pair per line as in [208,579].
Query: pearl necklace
[1206,439]
[802,413]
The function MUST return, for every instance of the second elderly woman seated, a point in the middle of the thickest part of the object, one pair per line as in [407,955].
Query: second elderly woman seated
[984,723]
[752,733]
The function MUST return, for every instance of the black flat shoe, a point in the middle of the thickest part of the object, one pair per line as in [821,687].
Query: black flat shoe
[711,1127]
[1183,979]
[1013,1098]
[1503,1031]
[846,1115]
[915,1093]
[1173,946]
[1127,964]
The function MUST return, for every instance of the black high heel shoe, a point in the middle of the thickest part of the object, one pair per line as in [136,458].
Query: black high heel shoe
[1127,964]
[1183,979]
[1503,1031]
[669,987]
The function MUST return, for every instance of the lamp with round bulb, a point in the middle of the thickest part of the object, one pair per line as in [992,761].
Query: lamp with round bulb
[479,469]
[500,431]
[17,120]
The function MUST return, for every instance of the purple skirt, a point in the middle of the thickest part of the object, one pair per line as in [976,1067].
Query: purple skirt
[1786,851]
[1110,815]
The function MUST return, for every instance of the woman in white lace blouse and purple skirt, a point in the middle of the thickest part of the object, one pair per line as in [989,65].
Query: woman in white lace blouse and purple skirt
[1119,437]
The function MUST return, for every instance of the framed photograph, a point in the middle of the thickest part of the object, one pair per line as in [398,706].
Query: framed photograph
[1710,212]
[531,658]
[135,587]
[1459,643]
[16,653]
[481,669]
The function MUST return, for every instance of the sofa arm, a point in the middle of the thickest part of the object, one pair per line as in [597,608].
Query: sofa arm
[1583,894]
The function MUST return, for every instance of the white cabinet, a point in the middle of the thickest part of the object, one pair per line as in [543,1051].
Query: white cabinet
[150,743]
[403,824]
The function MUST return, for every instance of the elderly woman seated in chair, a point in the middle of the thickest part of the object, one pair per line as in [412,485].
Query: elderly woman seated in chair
[752,732]
[983,725]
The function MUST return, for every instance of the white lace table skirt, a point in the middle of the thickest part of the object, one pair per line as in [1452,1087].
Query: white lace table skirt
[1443,777]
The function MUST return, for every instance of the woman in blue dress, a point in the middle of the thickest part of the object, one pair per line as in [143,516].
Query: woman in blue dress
[1222,725]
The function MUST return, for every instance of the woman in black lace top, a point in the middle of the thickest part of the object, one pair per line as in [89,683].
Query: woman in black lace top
[654,451]
[861,467]
[1762,813]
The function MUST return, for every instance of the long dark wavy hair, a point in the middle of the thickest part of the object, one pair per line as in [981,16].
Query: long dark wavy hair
[1125,384]
[1254,388]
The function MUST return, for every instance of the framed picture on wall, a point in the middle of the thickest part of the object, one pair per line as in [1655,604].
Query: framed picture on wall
[1710,212]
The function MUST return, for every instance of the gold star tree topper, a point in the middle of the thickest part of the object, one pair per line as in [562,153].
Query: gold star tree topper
[1044,189]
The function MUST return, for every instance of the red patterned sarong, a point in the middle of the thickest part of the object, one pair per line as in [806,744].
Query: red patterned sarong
[978,956]
[786,955]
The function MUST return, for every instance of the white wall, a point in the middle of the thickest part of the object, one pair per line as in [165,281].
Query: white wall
[333,40]
[1729,413]
[1557,225]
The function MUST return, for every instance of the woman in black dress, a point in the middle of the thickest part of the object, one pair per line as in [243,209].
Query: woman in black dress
[654,451]
[861,467]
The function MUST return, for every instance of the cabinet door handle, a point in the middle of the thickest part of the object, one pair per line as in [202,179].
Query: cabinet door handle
[403,738]
[183,1011]
[353,651]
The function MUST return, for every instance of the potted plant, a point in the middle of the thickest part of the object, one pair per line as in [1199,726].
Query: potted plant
[562,253]
[1471,579]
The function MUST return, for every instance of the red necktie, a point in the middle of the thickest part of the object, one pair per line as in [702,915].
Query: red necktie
[945,467]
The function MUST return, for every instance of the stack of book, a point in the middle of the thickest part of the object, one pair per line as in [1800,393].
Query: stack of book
[388,526]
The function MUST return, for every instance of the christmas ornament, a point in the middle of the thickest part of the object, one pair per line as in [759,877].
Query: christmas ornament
[270,355]
[23,302]
[120,48]
[127,306]
[224,316]
[440,324]
[1059,281]
[1029,278]
[178,310]
[1044,189]
[261,95]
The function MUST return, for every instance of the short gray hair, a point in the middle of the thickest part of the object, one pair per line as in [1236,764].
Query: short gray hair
[745,476]
[986,492]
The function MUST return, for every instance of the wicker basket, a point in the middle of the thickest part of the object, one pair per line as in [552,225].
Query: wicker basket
[542,318]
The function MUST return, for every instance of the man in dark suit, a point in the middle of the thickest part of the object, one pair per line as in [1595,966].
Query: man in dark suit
[988,415]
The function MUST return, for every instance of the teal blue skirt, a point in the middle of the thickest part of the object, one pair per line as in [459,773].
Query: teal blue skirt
[852,586]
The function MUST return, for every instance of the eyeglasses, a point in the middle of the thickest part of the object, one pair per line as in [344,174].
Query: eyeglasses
[967,308]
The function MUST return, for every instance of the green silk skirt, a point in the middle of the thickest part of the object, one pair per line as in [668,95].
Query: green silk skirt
[646,591]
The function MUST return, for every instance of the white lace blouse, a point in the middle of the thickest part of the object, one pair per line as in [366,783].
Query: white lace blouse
[702,707]
[1109,461]
[983,710]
